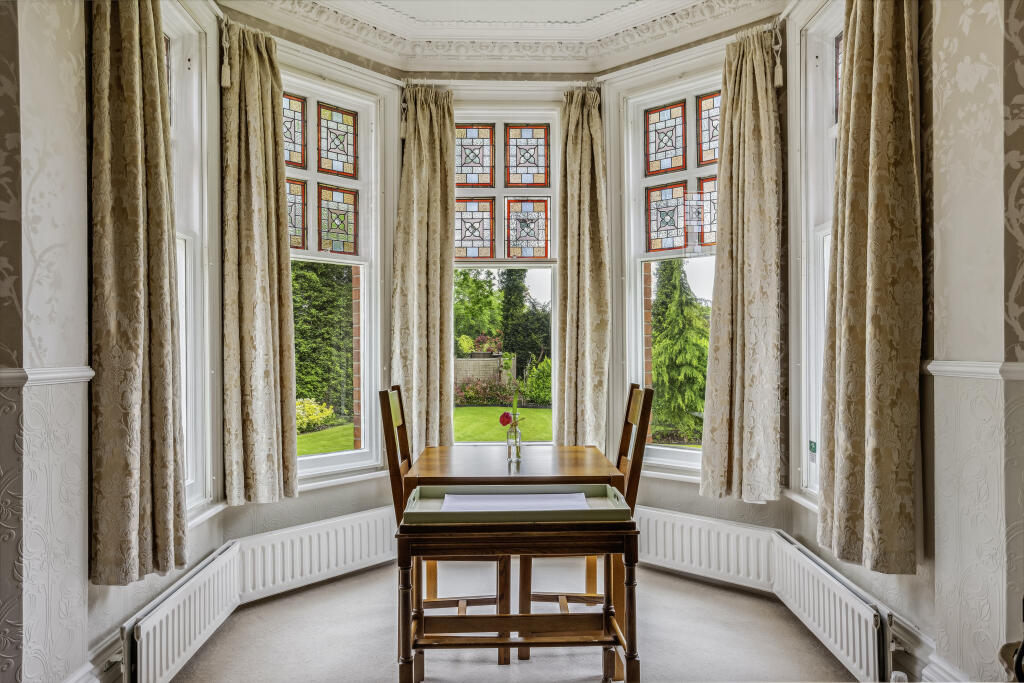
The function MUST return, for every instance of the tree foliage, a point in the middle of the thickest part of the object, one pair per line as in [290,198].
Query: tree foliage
[526,323]
[477,303]
[322,302]
[679,354]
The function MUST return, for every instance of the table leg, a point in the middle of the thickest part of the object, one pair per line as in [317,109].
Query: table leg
[608,655]
[619,602]
[405,672]
[591,575]
[417,615]
[504,590]
[525,592]
[431,579]
[632,655]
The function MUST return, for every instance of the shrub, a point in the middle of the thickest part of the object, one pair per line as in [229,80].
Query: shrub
[465,345]
[486,343]
[311,416]
[537,386]
[482,392]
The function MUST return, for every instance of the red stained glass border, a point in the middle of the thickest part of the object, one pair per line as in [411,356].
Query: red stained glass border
[547,153]
[647,215]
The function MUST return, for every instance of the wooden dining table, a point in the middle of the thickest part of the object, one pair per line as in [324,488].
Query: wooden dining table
[540,464]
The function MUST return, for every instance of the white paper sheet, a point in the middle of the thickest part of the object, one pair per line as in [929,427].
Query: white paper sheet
[514,501]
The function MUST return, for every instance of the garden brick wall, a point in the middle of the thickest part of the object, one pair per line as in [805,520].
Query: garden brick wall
[488,369]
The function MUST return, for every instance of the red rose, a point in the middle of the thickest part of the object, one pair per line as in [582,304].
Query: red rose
[505,419]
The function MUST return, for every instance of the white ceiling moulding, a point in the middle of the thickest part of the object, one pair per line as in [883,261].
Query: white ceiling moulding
[562,37]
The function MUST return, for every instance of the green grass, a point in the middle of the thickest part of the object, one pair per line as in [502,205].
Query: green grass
[481,424]
[330,440]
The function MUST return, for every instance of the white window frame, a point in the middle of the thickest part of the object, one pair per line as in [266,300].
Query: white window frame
[191,29]
[635,184]
[530,109]
[376,100]
[819,131]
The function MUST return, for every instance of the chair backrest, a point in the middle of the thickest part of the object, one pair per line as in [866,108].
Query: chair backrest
[396,445]
[634,432]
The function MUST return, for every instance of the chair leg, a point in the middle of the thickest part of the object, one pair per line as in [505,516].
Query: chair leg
[591,574]
[525,591]
[504,601]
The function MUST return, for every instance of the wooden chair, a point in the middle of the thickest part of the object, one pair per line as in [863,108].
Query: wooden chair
[399,456]
[629,460]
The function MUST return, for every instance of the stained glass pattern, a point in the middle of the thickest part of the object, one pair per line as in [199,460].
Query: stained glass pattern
[709,210]
[665,138]
[527,155]
[709,107]
[338,219]
[527,223]
[474,155]
[294,130]
[338,138]
[474,227]
[296,192]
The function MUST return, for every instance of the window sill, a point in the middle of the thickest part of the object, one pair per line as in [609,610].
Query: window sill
[201,514]
[311,481]
[801,499]
[680,473]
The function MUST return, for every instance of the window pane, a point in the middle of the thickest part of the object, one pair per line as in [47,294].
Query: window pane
[677,312]
[339,214]
[295,130]
[338,133]
[527,222]
[474,155]
[296,191]
[326,300]
[526,155]
[502,337]
[665,138]
[708,109]
[474,227]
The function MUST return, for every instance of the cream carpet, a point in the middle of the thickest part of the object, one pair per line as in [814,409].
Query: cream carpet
[344,630]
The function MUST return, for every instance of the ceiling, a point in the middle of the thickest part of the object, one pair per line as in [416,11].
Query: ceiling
[551,36]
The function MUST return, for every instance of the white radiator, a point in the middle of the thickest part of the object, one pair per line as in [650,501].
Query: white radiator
[720,550]
[278,561]
[841,619]
[169,634]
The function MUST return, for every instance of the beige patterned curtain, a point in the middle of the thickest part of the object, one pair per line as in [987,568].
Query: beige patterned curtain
[745,403]
[870,408]
[259,345]
[581,388]
[422,336]
[138,493]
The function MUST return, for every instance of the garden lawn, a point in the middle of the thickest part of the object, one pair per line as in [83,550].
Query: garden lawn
[481,424]
[333,439]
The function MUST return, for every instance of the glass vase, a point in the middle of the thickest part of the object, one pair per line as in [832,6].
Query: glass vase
[514,440]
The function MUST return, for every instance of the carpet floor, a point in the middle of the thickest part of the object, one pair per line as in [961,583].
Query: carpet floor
[344,630]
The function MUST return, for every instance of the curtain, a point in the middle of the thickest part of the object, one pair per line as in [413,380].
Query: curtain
[259,345]
[137,523]
[745,403]
[581,385]
[422,334]
[870,404]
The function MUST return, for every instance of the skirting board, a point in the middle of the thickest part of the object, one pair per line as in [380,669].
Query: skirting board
[728,552]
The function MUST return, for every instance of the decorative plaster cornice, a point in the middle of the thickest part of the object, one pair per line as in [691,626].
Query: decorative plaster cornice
[349,27]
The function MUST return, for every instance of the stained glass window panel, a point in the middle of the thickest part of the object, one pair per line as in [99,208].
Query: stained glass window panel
[666,220]
[527,222]
[665,138]
[294,130]
[709,210]
[338,138]
[474,155]
[474,227]
[527,153]
[709,107]
[338,219]
[296,191]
